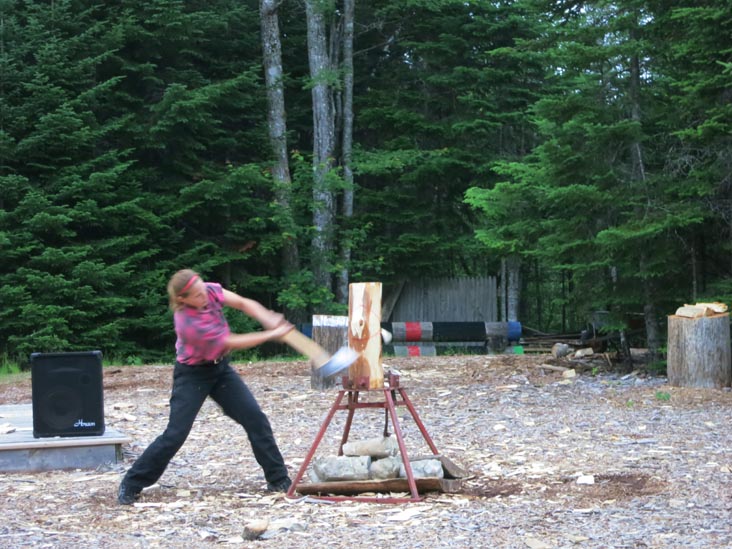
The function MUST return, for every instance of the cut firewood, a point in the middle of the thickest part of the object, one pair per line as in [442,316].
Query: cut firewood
[699,310]
[694,311]
[255,528]
[717,307]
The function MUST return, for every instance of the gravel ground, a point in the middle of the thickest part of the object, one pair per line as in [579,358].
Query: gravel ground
[605,460]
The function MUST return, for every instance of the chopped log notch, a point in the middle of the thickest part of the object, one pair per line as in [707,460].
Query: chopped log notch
[699,351]
[364,333]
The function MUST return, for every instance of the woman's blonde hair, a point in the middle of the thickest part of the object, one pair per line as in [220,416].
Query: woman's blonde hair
[177,286]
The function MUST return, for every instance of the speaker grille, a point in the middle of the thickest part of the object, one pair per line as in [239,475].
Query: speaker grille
[61,407]
[67,394]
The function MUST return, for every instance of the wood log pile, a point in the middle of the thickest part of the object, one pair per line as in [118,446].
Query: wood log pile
[701,309]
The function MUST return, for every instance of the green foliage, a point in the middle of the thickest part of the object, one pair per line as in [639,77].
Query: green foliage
[300,292]
[114,117]
[9,369]
[133,360]
[599,199]
[428,134]
[133,143]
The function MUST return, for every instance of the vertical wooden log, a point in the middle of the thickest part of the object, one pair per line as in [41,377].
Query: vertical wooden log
[331,333]
[699,351]
[364,334]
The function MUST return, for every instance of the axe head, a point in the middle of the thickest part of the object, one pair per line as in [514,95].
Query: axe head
[342,359]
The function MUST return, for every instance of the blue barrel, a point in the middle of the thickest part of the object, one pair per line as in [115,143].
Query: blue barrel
[514,330]
[306,329]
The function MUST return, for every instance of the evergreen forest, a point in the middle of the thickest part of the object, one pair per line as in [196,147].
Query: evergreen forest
[284,148]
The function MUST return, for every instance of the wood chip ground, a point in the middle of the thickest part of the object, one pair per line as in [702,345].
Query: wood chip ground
[606,460]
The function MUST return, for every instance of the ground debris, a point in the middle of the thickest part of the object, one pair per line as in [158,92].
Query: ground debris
[529,438]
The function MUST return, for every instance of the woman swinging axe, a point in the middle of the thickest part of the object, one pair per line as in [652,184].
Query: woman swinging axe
[201,370]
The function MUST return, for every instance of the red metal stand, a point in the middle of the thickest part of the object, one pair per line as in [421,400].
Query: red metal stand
[389,405]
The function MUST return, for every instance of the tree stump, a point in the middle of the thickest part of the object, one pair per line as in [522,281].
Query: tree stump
[331,333]
[699,351]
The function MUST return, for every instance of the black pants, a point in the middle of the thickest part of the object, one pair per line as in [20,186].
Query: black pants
[191,386]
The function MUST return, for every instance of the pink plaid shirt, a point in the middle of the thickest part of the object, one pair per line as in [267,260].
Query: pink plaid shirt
[202,332]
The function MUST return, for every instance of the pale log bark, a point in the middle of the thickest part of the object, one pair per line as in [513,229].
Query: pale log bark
[323,142]
[364,334]
[502,291]
[699,351]
[624,343]
[331,333]
[347,145]
[513,299]
[277,129]
[694,274]
[653,337]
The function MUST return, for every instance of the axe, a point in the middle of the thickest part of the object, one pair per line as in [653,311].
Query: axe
[326,366]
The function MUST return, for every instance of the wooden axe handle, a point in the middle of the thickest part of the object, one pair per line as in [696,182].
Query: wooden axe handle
[306,346]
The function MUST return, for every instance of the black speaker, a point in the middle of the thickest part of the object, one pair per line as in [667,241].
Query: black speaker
[67,392]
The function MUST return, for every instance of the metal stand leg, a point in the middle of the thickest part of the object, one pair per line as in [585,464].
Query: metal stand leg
[415,416]
[318,438]
[402,449]
[352,402]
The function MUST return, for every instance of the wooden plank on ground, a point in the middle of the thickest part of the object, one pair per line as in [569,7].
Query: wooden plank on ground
[347,488]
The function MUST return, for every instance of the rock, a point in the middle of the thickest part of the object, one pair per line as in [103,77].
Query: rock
[560,350]
[284,525]
[533,543]
[376,448]
[385,468]
[331,469]
[586,479]
[424,468]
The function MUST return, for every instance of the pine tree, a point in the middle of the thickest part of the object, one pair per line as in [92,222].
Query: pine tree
[118,121]
[60,181]
[442,94]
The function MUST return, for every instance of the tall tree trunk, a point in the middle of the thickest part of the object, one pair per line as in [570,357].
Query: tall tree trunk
[513,300]
[694,273]
[347,145]
[650,317]
[277,130]
[639,174]
[323,142]
[537,285]
[502,291]
[624,343]
[564,301]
